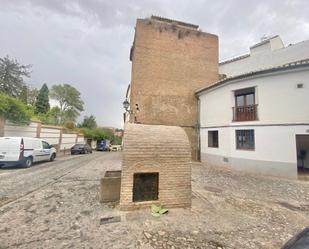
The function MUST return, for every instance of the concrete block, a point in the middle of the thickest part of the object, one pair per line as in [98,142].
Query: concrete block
[110,186]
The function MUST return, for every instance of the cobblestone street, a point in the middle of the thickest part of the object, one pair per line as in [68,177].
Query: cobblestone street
[56,206]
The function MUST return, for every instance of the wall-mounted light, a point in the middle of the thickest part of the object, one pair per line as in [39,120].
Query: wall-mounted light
[126,105]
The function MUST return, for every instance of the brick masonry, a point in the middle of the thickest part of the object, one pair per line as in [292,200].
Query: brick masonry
[162,149]
[169,62]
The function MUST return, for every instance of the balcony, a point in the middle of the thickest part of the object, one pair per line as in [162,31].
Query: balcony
[245,113]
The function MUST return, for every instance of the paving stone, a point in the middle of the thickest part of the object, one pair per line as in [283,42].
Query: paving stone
[248,212]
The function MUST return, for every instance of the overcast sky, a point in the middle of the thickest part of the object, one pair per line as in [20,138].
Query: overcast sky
[86,43]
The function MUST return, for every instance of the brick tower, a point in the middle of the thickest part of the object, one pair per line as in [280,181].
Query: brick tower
[170,60]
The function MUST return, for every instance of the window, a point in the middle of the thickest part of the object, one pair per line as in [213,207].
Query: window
[245,139]
[45,145]
[145,187]
[245,108]
[213,139]
[245,97]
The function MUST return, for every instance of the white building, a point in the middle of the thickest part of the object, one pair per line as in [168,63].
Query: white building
[258,121]
[267,53]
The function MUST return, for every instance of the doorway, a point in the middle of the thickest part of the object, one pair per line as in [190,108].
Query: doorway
[302,150]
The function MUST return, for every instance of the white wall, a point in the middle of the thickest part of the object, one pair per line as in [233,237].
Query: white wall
[278,99]
[266,59]
[283,112]
[272,143]
[50,135]
[224,148]
[68,140]
[12,130]
[275,149]
[81,139]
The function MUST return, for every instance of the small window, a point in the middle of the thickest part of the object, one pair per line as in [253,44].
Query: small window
[300,85]
[145,187]
[245,139]
[213,139]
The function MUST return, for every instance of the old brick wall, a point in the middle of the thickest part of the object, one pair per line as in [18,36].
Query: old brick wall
[162,149]
[169,62]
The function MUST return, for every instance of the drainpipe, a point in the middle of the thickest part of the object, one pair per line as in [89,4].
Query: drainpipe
[198,151]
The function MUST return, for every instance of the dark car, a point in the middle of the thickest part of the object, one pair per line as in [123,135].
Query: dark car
[81,149]
[299,241]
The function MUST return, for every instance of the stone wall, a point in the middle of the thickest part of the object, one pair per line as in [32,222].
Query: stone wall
[169,62]
[157,149]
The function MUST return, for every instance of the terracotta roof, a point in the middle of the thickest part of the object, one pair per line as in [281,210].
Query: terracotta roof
[287,66]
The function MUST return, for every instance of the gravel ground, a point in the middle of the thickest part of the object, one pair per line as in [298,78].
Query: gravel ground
[56,206]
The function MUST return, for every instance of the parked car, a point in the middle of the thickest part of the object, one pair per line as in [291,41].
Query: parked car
[24,151]
[299,241]
[103,145]
[116,147]
[81,149]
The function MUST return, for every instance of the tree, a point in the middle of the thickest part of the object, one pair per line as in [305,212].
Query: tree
[12,76]
[89,122]
[32,94]
[69,125]
[54,115]
[42,101]
[69,99]
[95,134]
[23,96]
[14,110]
[70,115]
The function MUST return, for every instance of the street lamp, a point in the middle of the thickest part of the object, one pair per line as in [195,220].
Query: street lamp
[126,105]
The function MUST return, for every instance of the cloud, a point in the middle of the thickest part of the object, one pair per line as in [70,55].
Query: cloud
[87,43]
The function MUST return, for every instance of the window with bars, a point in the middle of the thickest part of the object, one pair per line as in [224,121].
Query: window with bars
[213,139]
[245,139]
[145,187]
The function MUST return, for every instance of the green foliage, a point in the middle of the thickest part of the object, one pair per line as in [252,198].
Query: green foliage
[100,134]
[69,125]
[42,100]
[14,110]
[54,113]
[69,100]
[157,211]
[69,115]
[32,94]
[23,96]
[88,122]
[95,134]
[12,77]
[116,140]
[52,117]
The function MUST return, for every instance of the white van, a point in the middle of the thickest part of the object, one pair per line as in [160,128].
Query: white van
[24,151]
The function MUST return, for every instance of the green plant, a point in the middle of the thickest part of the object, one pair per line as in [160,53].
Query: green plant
[70,102]
[14,110]
[12,76]
[157,211]
[42,100]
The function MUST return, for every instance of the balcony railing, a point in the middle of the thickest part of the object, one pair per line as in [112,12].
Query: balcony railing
[245,113]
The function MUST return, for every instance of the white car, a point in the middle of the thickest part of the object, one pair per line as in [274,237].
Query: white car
[24,151]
